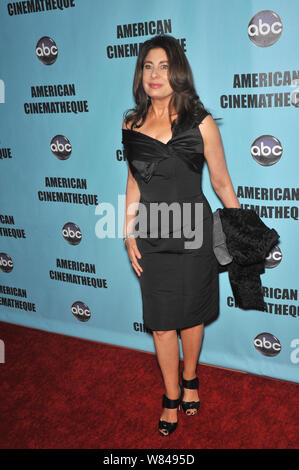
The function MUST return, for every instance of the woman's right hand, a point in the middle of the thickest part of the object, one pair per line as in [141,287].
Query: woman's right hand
[134,253]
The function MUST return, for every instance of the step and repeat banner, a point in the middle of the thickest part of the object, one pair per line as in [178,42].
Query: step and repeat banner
[66,76]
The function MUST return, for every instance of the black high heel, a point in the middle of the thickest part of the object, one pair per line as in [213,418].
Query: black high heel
[168,403]
[187,405]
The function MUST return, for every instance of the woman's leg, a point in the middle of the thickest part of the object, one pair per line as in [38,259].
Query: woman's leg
[167,349]
[191,344]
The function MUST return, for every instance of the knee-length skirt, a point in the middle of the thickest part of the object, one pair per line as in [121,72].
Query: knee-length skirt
[180,289]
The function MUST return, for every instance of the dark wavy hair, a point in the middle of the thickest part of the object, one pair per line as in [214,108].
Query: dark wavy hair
[184,99]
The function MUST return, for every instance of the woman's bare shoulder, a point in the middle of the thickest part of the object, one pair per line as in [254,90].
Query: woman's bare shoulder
[209,131]
[130,122]
[208,124]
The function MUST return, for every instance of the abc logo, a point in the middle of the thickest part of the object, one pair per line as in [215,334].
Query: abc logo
[273,258]
[267,344]
[266,150]
[6,264]
[72,233]
[61,147]
[81,311]
[46,50]
[264,28]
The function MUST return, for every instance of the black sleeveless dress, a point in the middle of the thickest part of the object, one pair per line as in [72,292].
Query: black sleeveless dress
[179,282]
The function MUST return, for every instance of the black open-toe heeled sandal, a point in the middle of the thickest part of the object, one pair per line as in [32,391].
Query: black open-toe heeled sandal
[168,403]
[190,405]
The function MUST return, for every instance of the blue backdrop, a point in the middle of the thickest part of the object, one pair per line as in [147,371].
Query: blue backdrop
[66,78]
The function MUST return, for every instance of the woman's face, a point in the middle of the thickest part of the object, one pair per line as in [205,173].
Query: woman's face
[156,72]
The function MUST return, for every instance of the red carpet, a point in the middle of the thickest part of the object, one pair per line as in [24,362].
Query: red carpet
[59,392]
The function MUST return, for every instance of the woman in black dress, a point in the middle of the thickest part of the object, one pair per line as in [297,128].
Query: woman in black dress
[166,139]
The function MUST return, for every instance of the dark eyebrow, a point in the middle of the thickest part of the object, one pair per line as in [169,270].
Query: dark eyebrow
[152,62]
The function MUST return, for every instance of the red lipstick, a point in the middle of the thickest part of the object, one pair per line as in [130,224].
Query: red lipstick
[155,85]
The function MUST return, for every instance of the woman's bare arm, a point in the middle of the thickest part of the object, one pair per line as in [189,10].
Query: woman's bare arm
[214,155]
[132,197]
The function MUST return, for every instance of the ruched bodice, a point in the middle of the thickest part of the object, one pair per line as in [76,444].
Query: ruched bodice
[166,171]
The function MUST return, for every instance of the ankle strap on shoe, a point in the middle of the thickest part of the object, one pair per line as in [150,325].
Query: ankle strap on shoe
[190,384]
[168,403]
